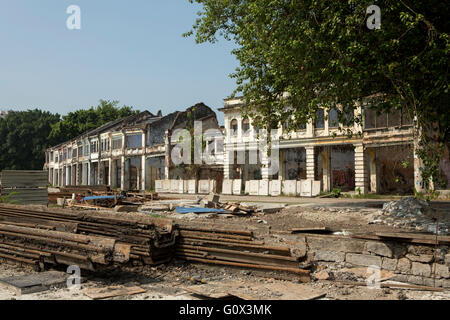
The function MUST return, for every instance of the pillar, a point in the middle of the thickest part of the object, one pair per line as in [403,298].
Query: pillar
[373,181]
[143,172]
[110,171]
[361,174]
[310,165]
[122,174]
[326,167]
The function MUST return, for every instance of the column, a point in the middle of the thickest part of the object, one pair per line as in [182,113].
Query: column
[361,174]
[265,165]
[326,167]
[122,174]
[372,170]
[143,172]
[89,180]
[310,165]
[110,171]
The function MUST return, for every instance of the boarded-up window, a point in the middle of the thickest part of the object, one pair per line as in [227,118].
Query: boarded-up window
[134,141]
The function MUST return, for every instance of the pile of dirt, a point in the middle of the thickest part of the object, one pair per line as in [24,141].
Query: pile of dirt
[412,213]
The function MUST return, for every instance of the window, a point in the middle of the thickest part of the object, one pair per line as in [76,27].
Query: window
[116,143]
[60,157]
[74,153]
[105,144]
[234,127]
[246,127]
[134,141]
[51,156]
[394,118]
[65,154]
[333,119]
[80,150]
[94,147]
[320,119]
[86,148]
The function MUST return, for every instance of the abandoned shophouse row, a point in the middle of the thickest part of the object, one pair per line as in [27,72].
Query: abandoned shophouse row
[134,152]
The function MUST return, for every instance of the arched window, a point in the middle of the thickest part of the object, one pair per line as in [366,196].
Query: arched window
[245,127]
[320,119]
[333,121]
[234,127]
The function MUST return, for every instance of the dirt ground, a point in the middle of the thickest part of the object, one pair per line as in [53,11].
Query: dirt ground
[166,282]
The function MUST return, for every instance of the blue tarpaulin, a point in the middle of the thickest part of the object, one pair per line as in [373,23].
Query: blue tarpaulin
[198,210]
[101,198]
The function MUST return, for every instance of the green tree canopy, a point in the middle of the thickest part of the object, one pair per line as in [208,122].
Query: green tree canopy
[24,139]
[75,123]
[321,53]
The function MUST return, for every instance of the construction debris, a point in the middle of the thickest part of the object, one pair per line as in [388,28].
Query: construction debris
[414,214]
[35,282]
[113,291]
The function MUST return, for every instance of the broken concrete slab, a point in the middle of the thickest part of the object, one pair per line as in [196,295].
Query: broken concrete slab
[36,282]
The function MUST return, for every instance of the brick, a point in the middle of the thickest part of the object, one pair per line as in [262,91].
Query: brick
[424,258]
[441,271]
[333,244]
[329,256]
[363,260]
[403,266]
[389,264]
[421,269]
[379,248]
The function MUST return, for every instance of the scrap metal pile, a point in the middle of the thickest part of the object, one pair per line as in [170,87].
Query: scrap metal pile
[101,240]
[236,248]
[91,240]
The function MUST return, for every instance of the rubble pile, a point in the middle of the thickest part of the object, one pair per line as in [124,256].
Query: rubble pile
[412,213]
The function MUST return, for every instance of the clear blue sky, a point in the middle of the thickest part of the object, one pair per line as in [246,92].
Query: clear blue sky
[132,51]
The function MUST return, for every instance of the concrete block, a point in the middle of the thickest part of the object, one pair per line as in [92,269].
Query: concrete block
[316,188]
[306,188]
[247,187]
[159,186]
[421,269]
[263,188]
[299,188]
[237,187]
[227,187]
[389,264]
[254,187]
[166,186]
[415,280]
[192,186]
[290,187]
[333,244]
[441,271]
[403,266]
[203,186]
[379,248]
[174,186]
[363,260]
[275,188]
[333,256]
[424,258]
[181,185]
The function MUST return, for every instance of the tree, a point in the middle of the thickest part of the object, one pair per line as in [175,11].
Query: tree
[77,122]
[321,53]
[24,139]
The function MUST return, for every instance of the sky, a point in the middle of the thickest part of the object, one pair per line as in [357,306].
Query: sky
[131,51]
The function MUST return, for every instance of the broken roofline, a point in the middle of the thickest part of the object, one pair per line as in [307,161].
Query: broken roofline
[112,125]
